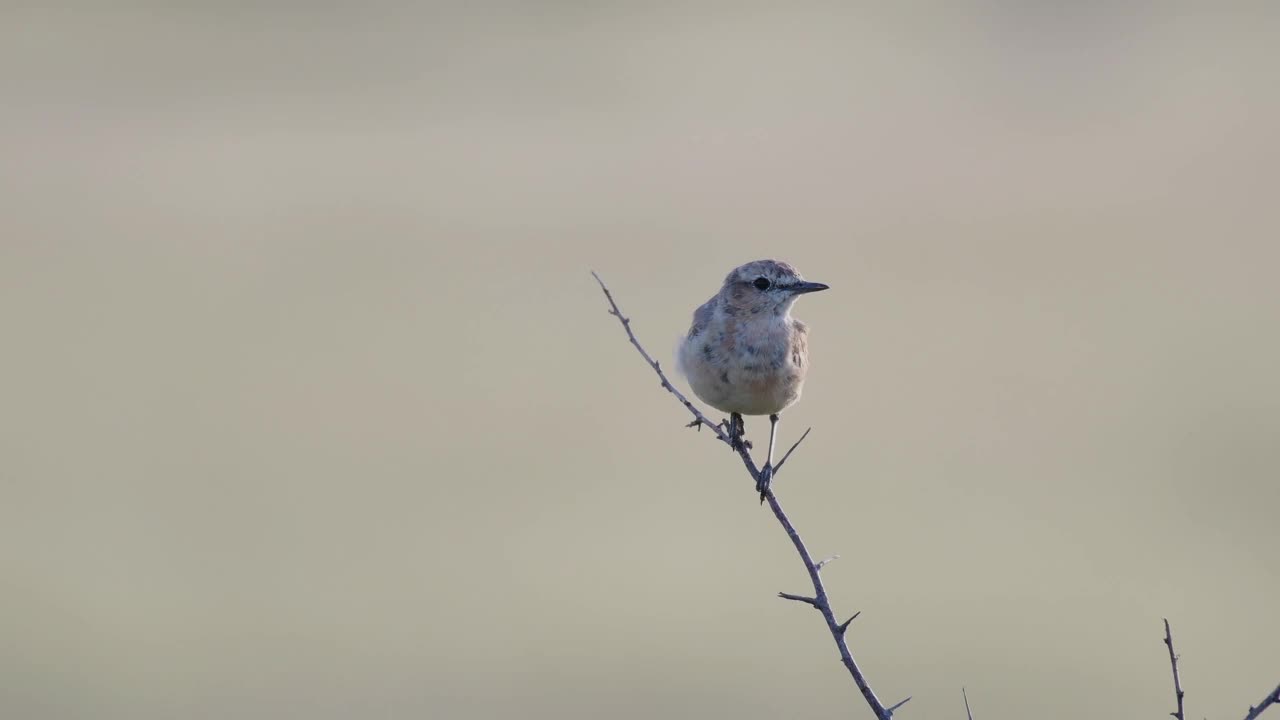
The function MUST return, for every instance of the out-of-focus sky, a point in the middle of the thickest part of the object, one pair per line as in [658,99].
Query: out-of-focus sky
[311,407]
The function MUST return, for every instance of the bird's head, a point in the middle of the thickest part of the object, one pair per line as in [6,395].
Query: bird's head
[765,286]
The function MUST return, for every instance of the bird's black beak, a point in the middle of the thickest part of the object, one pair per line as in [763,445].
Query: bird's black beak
[807,287]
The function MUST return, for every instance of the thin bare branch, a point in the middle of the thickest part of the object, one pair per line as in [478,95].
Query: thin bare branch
[699,418]
[1268,701]
[824,606]
[825,561]
[967,711]
[788,454]
[819,599]
[798,598]
[1173,661]
[897,705]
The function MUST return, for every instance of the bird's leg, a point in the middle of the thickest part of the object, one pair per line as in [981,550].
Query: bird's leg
[766,472]
[737,430]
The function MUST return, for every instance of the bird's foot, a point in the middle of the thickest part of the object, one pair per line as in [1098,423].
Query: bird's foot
[696,424]
[762,483]
[736,429]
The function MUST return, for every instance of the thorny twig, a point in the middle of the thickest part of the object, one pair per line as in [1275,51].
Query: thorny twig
[1177,681]
[1272,698]
[819,601]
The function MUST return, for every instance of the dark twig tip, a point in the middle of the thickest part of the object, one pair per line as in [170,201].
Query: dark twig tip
[799,598]
[844,626]
[889,710]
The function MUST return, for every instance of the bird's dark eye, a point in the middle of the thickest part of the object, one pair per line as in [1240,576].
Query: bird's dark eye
[761,283]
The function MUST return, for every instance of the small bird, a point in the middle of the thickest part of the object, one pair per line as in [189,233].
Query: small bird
[745,354]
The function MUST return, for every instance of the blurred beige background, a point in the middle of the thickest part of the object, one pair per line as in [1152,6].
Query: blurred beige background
[312,409]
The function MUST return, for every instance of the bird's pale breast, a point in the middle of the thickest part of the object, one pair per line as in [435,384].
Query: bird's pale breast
[750,367]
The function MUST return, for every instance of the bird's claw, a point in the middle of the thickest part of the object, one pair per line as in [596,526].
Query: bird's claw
[762,483]
[737,442]
[736,430]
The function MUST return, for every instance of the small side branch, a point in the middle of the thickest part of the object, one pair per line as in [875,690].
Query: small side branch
[798,598]
[1268,701]
[788,454]
[844,626]
[967,711]
[1173,661]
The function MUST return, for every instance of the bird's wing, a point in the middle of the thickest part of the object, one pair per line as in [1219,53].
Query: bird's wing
[702,316]
[799,343]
